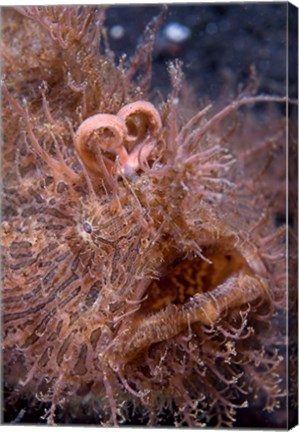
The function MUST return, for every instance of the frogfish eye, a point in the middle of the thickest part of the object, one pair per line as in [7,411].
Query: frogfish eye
[87,227]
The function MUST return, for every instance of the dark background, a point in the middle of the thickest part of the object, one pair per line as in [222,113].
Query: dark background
[225,40]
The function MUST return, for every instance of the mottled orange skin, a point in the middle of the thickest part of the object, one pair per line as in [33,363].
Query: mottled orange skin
[140,257]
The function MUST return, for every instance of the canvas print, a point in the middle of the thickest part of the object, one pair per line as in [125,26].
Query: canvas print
[149,215]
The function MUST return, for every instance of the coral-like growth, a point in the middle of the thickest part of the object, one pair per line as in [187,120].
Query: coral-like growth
[142,265]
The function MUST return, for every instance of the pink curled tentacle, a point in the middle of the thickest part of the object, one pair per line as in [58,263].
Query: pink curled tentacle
[142,114]
[100,133]
[143,123]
